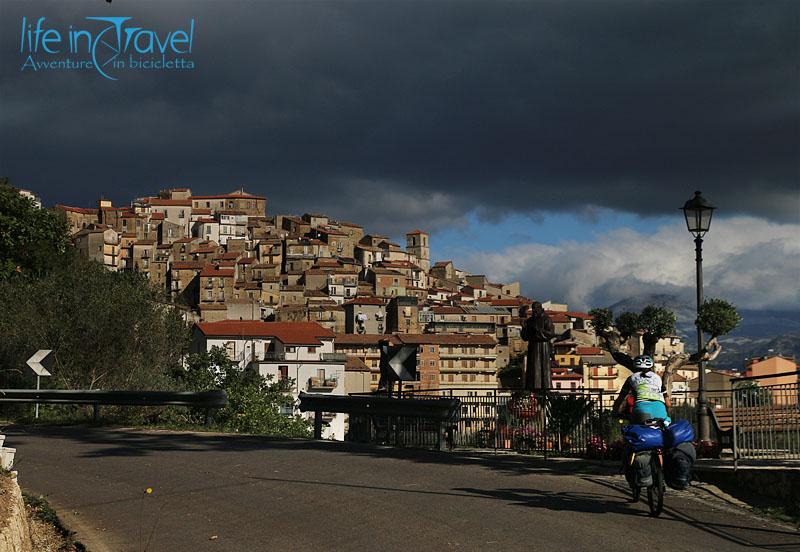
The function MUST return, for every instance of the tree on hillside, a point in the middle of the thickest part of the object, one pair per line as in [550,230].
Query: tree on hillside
[107,330]
[32,240]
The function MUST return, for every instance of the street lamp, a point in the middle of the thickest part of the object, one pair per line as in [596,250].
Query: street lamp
[698,212]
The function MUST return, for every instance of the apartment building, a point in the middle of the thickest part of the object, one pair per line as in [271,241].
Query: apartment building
[365,315]
[100,243]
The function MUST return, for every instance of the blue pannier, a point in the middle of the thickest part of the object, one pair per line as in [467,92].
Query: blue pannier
[678,432]
[642,437]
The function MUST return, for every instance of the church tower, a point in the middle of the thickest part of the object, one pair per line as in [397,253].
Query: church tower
[417,243]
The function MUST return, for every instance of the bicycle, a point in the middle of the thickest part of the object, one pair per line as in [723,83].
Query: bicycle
[657,488]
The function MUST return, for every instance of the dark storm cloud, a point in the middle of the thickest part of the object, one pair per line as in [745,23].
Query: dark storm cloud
[356,108]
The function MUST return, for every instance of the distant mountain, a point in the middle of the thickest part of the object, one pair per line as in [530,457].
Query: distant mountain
[761,332]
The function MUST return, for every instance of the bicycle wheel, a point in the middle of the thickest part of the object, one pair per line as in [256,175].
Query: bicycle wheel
[655,492]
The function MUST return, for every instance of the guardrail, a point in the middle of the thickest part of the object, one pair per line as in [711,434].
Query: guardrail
[208,400]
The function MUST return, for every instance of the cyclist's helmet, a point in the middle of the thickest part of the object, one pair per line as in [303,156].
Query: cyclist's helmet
[643,362]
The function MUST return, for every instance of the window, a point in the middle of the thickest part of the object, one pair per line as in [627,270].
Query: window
[284,372]
[291,349]
[431,363]
[313,349]
[181,214]
[432,349]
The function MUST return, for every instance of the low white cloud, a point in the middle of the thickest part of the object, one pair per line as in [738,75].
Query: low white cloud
[749,261]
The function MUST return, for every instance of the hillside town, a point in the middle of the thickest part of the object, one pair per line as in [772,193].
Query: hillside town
[310,298]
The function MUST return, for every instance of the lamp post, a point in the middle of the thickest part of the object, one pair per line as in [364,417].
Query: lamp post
[698,212]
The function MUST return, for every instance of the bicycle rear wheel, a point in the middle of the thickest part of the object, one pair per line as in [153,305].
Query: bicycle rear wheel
[655,492]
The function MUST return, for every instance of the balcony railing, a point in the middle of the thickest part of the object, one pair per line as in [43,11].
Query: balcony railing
[322,384]
[334,357]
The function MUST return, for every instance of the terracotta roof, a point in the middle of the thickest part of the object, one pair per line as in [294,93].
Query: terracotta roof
[413,232]
[314,293]
[329,231]
[448,310]
[210,271]
[350,224]
[355,364]
[291,333]
[506,302]
[231,212]
[446,339]
[188,265]
[557,316]
[228,196]
[81,210]
[364,301]
[588,351]
[576,314]
[567,376]
[246,260]
[359,339]
[157,216]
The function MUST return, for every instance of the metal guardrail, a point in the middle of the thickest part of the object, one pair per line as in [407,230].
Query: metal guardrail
[208,400]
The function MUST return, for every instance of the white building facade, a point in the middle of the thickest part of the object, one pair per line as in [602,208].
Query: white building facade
[300,351]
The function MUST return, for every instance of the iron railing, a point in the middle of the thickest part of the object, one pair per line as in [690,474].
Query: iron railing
[557,421]
[766,418]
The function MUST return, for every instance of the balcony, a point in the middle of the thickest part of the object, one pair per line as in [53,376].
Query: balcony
[274,357]
[333,357]
[322,384]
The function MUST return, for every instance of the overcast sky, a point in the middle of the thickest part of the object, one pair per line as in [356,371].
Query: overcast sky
[527,136]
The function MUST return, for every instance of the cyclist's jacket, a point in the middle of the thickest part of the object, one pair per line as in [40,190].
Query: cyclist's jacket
[645,386]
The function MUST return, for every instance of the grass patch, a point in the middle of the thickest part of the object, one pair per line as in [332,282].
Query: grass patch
[780,513]
[48,532]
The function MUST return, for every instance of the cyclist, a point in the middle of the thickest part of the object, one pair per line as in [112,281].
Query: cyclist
[647,390]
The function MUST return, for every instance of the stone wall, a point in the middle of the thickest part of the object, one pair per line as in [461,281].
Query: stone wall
[14,529]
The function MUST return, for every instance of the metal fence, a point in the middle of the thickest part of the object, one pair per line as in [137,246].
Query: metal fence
[554,422]
[766,418]
[684,403]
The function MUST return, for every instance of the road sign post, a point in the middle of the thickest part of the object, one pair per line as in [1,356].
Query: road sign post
[35,362]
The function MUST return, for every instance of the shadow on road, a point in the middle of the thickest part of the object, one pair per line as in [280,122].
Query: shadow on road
[105,442]
[109,442]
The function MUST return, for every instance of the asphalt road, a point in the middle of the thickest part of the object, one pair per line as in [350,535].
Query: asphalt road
[231,493]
